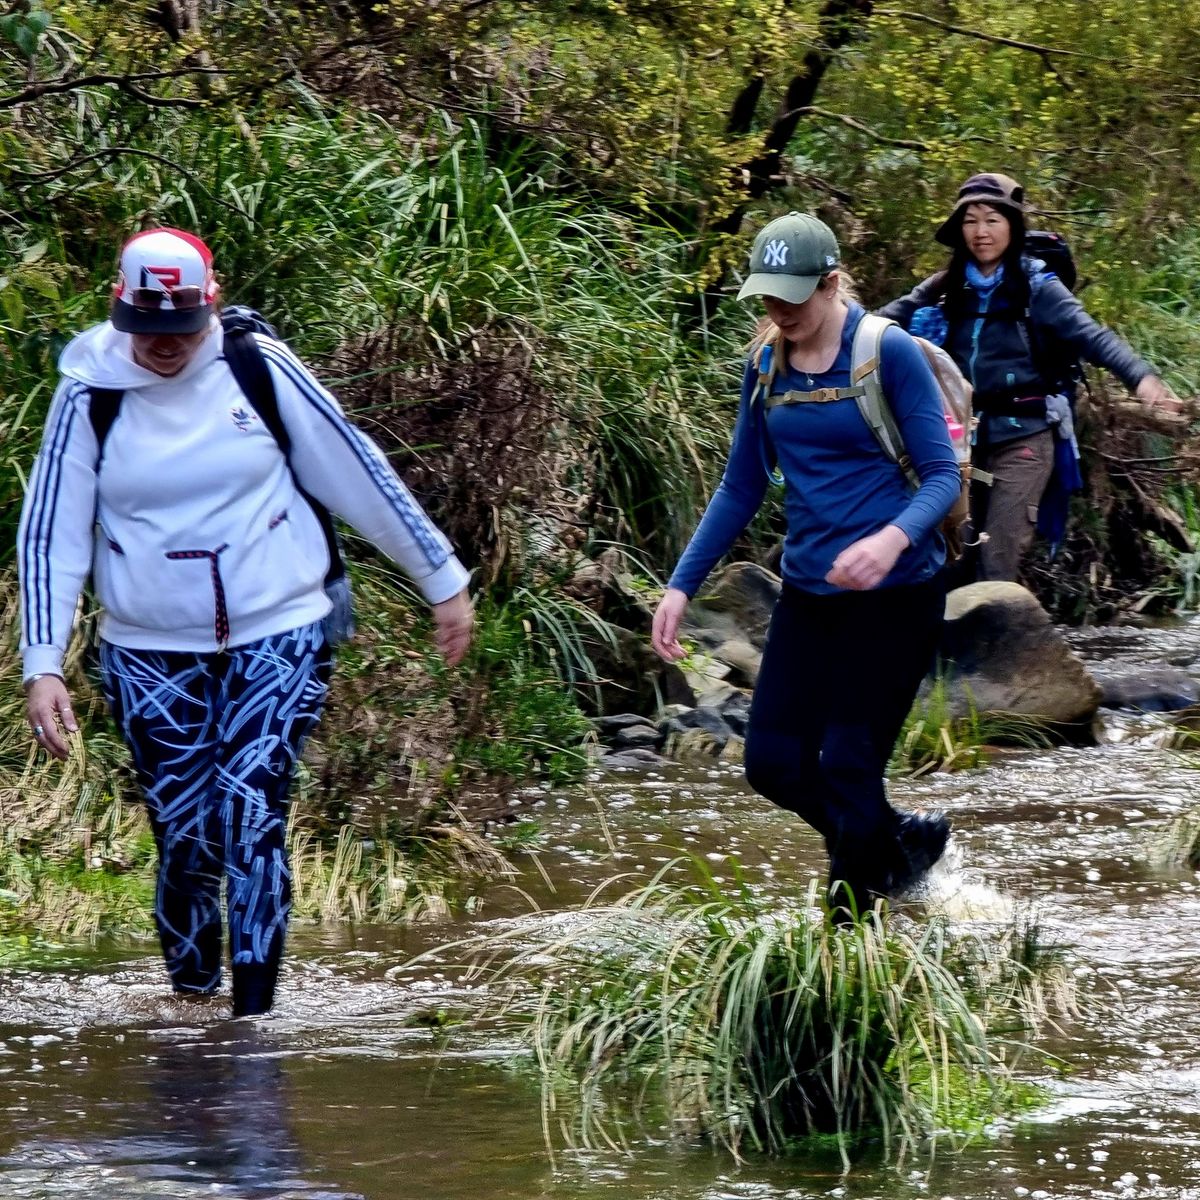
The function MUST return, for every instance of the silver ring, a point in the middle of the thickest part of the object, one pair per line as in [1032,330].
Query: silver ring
[38,731]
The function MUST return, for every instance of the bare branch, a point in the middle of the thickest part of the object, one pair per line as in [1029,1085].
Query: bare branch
[905,143]
[50,87]
[40,177]
[995,38]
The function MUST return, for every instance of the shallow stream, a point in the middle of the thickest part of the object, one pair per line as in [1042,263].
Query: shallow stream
[110,1088]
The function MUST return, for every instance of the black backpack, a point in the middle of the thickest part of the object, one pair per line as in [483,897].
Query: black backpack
[1055,252]
[249,368]
[1059,367]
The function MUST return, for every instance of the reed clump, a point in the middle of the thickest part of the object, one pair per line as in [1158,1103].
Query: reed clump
[936,738]
[708,1010]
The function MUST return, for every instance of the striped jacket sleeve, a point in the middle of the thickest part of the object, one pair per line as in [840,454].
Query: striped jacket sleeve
[54,539]
[335,462]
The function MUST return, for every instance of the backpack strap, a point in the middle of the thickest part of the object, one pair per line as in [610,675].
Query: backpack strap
[249,368]
[253,376]
[103,406]
[818,396]
[768,368]
[866,357]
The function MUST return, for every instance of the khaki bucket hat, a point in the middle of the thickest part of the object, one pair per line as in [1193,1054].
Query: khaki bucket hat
[1000,191]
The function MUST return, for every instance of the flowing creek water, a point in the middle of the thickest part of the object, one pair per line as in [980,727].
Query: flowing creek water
[110,1088]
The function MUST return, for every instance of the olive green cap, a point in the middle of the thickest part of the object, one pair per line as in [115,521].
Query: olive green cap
[788,258]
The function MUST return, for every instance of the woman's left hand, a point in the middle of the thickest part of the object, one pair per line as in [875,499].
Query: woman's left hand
[865,564]
[1154,393]
[455,619]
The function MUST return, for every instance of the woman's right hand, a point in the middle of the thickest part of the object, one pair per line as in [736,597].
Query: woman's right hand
[1154,393]
[665,633]
[47,702]
[455,621]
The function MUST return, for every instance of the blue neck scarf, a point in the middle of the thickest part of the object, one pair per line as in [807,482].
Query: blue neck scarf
[984,283]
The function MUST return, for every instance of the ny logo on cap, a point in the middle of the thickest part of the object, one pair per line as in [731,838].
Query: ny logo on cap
[775,254]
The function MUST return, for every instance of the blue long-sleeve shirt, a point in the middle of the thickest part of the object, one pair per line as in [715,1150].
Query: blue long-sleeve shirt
[839,485]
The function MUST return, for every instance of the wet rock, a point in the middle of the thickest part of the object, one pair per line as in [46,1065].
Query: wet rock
[735,712]
[742,659]
[737,607]
[631,760]
[673,710]
[708,719]
[734,751]
[637,737]
[608,726]
[690,745]
[1155,689]
[717,697]
[1000,653]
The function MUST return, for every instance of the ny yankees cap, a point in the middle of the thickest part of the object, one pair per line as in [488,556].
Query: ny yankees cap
[788,258]
[165,284]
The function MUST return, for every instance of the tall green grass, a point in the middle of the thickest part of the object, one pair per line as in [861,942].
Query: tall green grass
[343,229]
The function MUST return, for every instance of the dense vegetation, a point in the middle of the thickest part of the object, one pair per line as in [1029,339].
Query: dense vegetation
[505,231]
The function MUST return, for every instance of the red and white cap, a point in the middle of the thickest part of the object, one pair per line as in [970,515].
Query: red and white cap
[165,284]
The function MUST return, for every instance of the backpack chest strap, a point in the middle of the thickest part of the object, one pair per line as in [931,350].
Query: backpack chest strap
[819,396]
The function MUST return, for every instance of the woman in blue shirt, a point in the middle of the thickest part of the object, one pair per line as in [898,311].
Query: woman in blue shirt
[857,622]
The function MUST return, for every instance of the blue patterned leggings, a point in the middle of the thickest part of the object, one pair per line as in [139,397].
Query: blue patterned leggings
[215,738]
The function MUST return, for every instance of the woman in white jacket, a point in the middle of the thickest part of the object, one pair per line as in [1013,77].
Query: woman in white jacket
[210,564]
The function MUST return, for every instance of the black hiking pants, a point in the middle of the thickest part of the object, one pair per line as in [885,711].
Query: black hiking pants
[838,678]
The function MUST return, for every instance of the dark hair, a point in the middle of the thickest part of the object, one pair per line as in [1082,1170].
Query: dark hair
[1015,286]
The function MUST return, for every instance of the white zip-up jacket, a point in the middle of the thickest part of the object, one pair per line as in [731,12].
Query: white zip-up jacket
[193,523]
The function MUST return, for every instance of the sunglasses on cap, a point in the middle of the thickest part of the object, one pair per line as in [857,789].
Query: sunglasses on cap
[182,296]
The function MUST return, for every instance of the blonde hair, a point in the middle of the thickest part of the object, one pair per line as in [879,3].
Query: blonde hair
[767,331]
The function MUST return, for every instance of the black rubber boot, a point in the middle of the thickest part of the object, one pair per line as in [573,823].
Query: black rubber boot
[253,988]
[923,838]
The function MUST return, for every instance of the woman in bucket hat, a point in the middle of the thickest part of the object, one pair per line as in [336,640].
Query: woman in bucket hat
[861,606]
[210,562]
[1015,331]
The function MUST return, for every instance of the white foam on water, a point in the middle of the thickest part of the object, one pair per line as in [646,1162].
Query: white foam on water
[961,896]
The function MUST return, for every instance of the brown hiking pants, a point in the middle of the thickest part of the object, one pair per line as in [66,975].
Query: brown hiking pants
[1020,470]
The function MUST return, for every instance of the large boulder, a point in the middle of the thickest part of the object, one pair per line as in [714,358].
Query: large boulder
[1000,653]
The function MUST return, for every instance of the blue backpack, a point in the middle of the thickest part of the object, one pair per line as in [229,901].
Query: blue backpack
[249,368]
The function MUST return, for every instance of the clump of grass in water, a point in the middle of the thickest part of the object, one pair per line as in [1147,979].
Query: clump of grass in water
[709,1009]
[1020,971]
[357,878]
[934,739]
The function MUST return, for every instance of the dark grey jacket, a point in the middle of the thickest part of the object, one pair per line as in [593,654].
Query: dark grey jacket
[1005,359]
